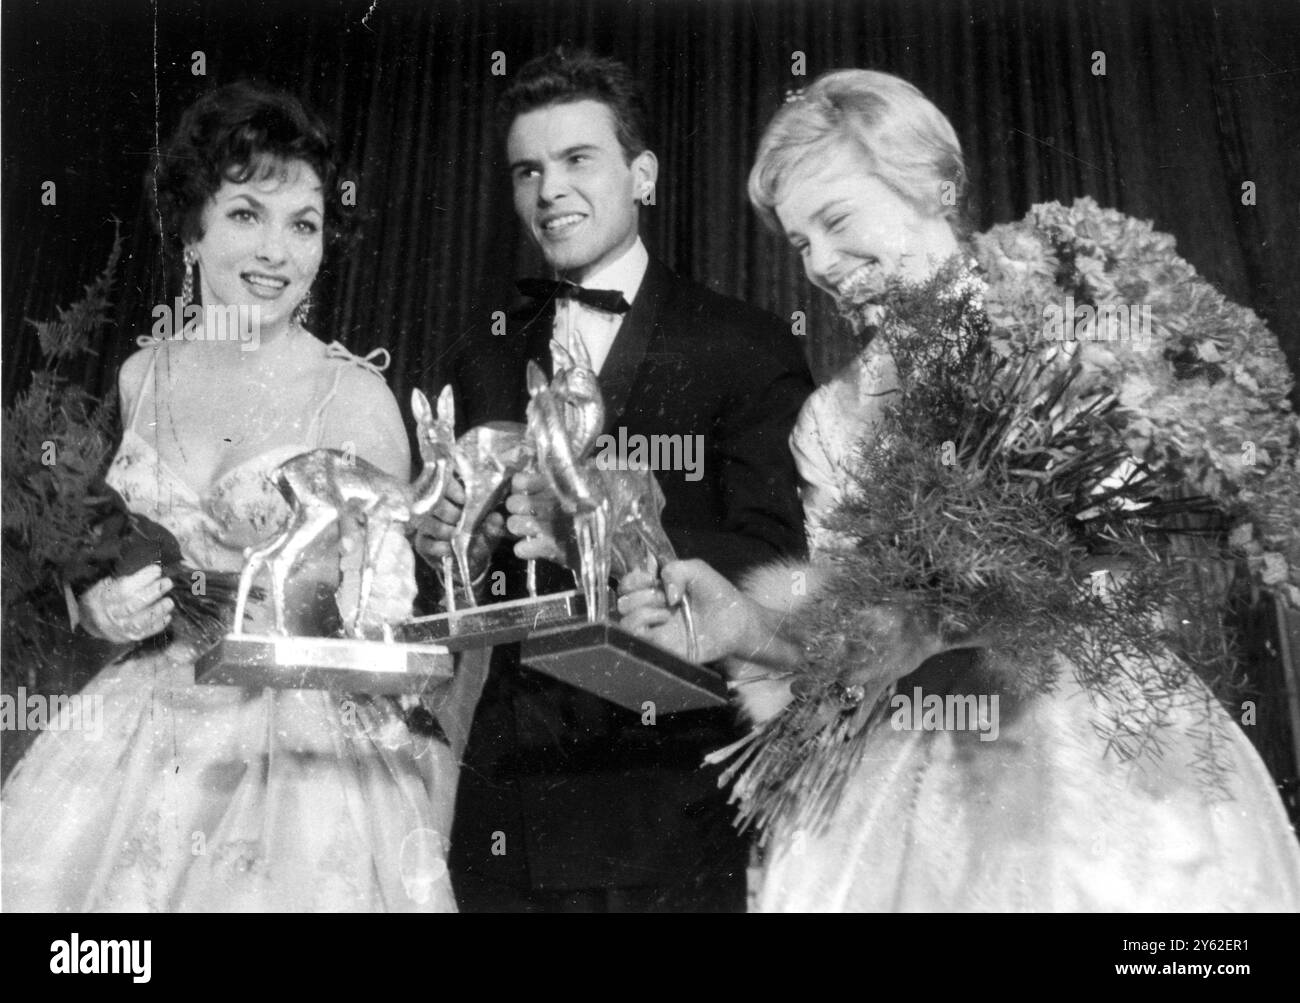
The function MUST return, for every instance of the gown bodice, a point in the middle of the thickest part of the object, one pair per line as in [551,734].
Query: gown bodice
[241,508]
[834,421]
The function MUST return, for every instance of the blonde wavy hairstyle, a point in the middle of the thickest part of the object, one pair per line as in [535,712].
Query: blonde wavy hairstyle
[905,141]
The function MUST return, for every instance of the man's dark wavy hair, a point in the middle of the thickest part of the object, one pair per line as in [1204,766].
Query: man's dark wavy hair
[563,76]
[238,133]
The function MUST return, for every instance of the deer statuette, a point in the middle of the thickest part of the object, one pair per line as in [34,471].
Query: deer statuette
[617,514]
[326,486]
[486,458]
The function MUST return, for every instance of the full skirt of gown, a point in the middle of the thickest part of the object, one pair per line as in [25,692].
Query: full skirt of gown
[1046,816]
[1037,814]
[214,798]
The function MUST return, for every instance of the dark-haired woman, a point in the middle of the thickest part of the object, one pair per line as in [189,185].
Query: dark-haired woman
[216,798]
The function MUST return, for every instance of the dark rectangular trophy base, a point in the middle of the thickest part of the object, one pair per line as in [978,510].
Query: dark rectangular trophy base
[497,623]
[604,659]
[324,663]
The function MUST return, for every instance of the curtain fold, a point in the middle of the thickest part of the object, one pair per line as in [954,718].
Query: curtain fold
[1197,98]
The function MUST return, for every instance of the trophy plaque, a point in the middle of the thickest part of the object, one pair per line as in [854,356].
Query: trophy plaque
[496,623]
[559,640]
[616,517]
[603,659]
[324,663]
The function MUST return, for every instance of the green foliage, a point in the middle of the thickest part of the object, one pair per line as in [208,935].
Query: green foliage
[55,443]
[70,334]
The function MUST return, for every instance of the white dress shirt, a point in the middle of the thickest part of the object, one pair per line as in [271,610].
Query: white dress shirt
[599,328]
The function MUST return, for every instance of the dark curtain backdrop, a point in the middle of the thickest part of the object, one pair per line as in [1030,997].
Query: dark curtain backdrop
[1197,98]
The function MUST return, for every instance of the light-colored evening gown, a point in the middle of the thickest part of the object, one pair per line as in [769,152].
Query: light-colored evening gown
[1040,819]
[209,798]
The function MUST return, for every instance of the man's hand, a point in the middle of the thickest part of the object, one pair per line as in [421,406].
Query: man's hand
[434,531]
[544,530]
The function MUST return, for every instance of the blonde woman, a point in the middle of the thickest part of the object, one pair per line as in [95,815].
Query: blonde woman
[864,177]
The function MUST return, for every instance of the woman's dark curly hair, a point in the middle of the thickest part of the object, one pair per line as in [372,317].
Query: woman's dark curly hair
[237,133]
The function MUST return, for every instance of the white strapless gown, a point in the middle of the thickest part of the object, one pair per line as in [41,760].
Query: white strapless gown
[1042,818]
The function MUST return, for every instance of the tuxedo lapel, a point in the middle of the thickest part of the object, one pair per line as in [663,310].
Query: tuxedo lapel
[618,375]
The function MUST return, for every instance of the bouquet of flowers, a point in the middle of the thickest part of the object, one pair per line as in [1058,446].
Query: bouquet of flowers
[56,438]
[1086,439]
[64,528]
[122,542]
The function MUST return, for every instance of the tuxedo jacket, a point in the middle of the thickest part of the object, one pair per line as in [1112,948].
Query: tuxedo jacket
[689,362]
[604,805]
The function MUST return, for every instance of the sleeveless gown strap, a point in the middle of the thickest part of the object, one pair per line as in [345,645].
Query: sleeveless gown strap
[370,362]
[144,341]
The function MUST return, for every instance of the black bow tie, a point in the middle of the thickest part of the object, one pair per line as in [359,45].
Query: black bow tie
[609,300]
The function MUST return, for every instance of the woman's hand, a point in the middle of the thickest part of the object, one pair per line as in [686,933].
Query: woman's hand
[545,532]
[128,609]
[727,622]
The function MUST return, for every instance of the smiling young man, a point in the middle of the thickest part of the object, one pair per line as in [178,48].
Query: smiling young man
[594,809]
[577,186]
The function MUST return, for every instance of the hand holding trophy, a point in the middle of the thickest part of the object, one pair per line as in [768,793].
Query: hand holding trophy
[436,530]
[616,513]
[616,518]
[616,522]
[486,459]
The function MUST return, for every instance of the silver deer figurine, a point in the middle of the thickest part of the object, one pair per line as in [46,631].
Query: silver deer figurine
[326,486]
[617,514]
[486,458]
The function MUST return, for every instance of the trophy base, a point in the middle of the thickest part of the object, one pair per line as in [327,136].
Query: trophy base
[604,659]
[324,663]
[498,623]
